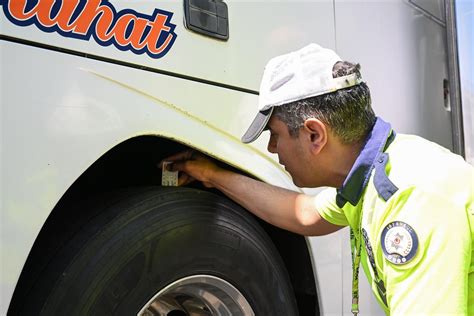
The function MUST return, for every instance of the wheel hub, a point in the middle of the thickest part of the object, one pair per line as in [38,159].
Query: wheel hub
[198,295]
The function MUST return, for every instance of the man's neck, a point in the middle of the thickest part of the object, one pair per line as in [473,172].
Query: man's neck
[342,158]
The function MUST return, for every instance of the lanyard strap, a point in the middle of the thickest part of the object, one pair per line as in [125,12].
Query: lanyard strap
[378,281]
[370,254]
[355,252]
[356,247]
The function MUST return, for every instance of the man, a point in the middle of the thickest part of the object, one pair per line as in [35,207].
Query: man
[407,201]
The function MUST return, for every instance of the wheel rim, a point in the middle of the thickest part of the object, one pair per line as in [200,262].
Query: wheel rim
[198,295]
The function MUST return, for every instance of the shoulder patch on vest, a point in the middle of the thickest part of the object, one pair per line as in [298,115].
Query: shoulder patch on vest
[399,242]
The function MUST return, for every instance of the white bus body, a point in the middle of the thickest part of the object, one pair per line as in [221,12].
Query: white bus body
[70,96]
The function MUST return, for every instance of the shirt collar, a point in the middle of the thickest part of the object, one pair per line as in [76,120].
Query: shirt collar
[379,137]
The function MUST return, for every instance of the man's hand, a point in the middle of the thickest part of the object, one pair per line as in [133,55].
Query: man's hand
[193,166]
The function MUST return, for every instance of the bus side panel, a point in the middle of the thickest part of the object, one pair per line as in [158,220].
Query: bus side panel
[403,57]
[258,30]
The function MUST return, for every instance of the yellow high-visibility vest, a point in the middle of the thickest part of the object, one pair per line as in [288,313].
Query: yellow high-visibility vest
[409,203]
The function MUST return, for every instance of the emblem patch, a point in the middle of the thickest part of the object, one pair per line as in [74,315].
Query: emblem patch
[399,242]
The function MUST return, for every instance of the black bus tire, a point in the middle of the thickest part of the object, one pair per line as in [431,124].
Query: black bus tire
[153,237]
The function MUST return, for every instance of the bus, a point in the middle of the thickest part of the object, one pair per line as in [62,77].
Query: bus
[94,94]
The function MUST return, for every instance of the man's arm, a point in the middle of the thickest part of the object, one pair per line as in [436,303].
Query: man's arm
[280,207]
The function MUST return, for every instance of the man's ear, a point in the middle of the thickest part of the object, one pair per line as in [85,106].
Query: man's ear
[317,133]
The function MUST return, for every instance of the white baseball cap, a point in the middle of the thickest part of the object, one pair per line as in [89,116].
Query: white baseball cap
[296,76]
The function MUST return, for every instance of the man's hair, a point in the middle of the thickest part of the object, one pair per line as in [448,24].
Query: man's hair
[347,112]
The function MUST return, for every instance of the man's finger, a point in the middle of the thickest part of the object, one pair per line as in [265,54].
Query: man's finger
[177,166]
[185,179]
[184,155]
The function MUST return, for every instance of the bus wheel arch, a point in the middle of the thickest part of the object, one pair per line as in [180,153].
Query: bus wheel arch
[146,151]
